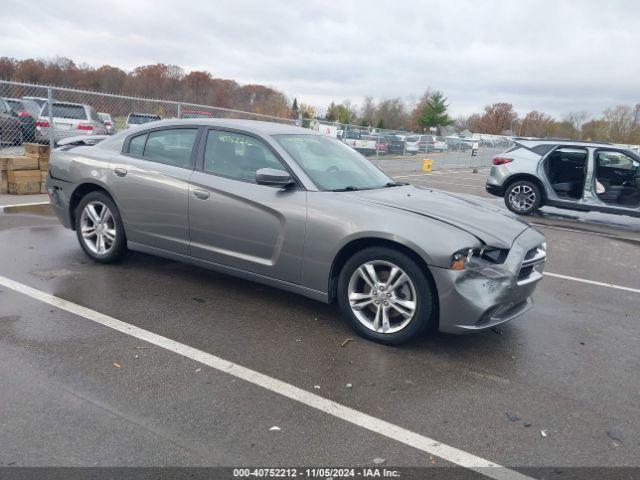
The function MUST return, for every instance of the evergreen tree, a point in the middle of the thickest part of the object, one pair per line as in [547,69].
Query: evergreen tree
[434,113]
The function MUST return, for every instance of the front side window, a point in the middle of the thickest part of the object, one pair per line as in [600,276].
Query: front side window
[331,164]
[615,159]
[237,156]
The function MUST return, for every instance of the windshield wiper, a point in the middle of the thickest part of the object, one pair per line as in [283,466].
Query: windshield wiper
[394,184]
[349,188]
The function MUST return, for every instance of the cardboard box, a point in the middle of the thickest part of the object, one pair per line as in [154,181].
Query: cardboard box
[36,150]
[4,184]
[22,163]
[43,176]
[44,165]
[24,176]
[43,187]
[24,188]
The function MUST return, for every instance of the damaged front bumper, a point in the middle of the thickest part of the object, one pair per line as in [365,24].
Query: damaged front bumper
[482,297]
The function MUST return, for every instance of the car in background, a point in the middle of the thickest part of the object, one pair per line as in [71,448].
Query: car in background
[69,120]
[10,131]
[134,119]
[360,141]
[584,176]
[27,112]
[459,144]
[108,123]
[412,144]
[299,210]
[382,144]
[39,100]
[396,144]
[186,113]
[431,143]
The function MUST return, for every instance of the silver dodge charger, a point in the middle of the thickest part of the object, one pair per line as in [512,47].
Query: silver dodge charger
[294,209]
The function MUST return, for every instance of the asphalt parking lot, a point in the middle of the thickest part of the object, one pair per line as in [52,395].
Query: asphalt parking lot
[152,362]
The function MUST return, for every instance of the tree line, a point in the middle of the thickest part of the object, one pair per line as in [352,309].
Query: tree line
[160,81]
[618,124]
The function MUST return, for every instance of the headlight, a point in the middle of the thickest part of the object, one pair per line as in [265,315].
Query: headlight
[470,257]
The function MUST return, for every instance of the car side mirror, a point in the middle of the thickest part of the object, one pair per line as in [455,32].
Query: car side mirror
[273,177]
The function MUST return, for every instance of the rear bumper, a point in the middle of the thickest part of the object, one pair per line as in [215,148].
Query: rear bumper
[60,193]
[496,190]
[477,299]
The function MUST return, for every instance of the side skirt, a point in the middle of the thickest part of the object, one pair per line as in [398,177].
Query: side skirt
[236,272]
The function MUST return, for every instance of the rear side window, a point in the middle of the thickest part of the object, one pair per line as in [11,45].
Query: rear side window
[65,110]
[543,149]
[171,146]
[136,145]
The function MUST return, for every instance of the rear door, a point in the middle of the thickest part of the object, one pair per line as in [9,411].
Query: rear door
[238,223]
[150,182]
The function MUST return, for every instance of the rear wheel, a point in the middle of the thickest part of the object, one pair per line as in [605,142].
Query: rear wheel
[523,197]
[99,228]
[385,295]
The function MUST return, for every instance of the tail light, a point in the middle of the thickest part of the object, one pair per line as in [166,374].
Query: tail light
[42,123]
[108,123]
[23,114]
[85,126]
[501,160]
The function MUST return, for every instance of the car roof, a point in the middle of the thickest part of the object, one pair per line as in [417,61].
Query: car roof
[529,143]
[254,126]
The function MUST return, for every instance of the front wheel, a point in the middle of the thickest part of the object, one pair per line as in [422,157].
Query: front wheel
[99,228]
[385,295]
[523,197]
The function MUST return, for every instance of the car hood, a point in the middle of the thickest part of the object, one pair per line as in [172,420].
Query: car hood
[493,226]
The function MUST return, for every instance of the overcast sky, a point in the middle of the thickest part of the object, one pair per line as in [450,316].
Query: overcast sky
[555,56]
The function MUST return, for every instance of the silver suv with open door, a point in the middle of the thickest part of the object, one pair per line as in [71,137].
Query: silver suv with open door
[587,176]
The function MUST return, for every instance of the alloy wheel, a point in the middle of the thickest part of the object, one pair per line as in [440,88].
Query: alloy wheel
[382,296]
[522,197]
[98,228]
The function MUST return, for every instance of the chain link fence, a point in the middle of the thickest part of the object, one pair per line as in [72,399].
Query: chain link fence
[44,114]
[399,152]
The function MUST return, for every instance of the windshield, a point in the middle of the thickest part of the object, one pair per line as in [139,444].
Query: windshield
[331,164]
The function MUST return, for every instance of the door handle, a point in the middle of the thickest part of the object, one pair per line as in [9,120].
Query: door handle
[119,171]
[201,194]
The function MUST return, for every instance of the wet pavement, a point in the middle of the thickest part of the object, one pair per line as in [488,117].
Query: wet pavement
[78,393]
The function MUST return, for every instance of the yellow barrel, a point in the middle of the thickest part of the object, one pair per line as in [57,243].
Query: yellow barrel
[427,165]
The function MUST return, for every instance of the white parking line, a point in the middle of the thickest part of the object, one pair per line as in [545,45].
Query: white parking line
[451,183]
[33,204]
[592,282]
[441,172]
[374,424]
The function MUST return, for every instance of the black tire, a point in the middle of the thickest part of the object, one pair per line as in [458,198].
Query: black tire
[425,295]
[523,197]
[118,248]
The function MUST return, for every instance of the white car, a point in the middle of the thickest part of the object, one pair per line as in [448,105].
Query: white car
[412,144]
[69,120]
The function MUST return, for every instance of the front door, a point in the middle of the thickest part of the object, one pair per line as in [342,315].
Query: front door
[150,183]
[238,223]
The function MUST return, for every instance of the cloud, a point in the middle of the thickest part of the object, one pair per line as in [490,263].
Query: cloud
[546,55]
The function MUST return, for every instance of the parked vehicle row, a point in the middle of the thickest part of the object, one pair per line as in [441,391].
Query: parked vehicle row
[400,143]
[27,119]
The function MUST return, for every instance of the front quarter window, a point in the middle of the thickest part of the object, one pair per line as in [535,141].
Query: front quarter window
[331,164]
